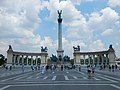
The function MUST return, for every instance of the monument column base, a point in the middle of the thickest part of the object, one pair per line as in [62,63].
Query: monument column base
[60,56]
[60,53]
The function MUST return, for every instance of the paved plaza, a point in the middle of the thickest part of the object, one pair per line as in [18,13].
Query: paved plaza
[71,79]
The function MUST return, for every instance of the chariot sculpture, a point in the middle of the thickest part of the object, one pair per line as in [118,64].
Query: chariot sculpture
[77,48]
[43,49]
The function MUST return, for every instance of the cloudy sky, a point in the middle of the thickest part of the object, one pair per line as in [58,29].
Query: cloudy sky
[29,24]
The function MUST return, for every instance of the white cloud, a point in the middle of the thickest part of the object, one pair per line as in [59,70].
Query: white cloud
[104,19]
[18,21]
[69,14]
[114,3]
[107,32]
[15,18]
[97,46]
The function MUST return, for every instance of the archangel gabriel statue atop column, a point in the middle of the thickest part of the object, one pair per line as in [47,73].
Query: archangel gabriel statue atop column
[59,13]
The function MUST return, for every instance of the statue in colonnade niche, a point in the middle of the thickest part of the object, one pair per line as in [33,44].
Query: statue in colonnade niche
[43,49]
[76,48]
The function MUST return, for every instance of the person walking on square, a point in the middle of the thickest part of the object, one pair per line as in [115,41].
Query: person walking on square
[6,68]
[79,68]
[89,71]
[93,70]
[10,68]
[43,70]
[109,68]
[112,68]
[22,68]
[116,67]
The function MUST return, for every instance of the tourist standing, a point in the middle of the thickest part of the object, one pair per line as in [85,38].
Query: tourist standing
[93,70]
[22,68]
[43,69]
[116,67]
[89,71]
[79,68]
[109,68]
[112,68]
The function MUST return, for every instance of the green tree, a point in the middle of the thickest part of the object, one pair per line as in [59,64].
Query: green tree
[72,61]
[53,58]
[66,58]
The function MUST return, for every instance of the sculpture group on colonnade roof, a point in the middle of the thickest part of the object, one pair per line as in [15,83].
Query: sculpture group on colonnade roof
[43,49]
[10,47]
[76,48]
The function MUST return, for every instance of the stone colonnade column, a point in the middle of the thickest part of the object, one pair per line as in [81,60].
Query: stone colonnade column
[13,59]
[31,60]
[84,59]
[98,59]
[36,60]
[93,59]
[27,60]
[18,59]
[89,59]
[22,59]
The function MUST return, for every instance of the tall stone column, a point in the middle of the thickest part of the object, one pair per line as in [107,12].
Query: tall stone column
[60,51]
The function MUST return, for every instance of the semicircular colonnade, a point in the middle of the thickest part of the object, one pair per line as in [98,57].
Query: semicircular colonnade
[94,58]
[25,58]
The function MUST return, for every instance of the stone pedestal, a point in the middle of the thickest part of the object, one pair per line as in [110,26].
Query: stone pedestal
[44,58]
[9,57]
[111,55]
[77,58]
